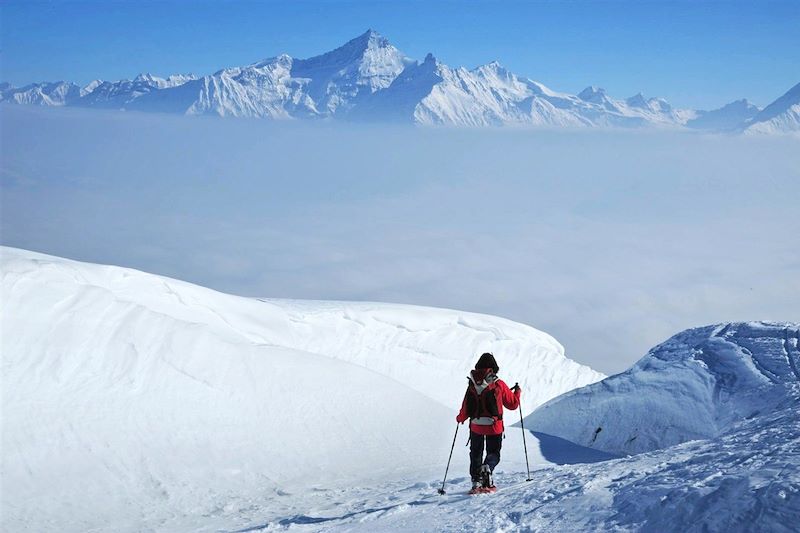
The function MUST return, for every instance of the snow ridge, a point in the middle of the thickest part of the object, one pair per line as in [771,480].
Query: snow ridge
[155,399]
[781,116]
[719,374]
[369,79]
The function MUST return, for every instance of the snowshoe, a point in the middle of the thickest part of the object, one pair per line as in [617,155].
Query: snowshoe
[485,485]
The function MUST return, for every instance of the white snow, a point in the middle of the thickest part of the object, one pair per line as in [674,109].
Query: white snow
[58,93]
[136,402]
[747,480]
[695,385]
[398,340]
[726,118]
[782,116]
[132,401]
[369,79]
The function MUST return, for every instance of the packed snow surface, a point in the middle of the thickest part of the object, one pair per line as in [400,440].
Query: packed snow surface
[135,402]
[696,385]
[369,79]
[132,401]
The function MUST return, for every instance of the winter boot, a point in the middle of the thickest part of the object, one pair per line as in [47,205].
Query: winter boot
[486,477]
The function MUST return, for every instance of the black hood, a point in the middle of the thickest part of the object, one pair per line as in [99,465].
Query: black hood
[487,361]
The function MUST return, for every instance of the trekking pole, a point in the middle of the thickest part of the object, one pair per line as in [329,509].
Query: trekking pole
[524,443]
[442,491]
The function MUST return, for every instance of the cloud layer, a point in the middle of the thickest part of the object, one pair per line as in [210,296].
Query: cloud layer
[609,241]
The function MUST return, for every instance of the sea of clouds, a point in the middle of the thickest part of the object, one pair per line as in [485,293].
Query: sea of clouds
[611,241]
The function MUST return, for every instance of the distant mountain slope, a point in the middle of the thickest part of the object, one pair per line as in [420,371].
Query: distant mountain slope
[58,93]
[726,118]
[781,116]
[369,79]
[695,385]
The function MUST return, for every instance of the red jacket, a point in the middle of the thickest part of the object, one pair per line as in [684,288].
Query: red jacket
[505,398]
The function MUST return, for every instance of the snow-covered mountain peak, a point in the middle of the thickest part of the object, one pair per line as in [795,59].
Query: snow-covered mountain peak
[637,100]
[726,118]
[356,81]
[494,69]
[282,59]
[493,66]
[660,105]
[368,47]
[372,39]
[595,95]
[781,116]
[341,77]
[147,77]
[91,86]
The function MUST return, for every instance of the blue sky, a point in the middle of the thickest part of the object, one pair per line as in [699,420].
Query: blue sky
[695,54]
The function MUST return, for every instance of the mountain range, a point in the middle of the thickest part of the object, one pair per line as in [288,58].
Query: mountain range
[369,79]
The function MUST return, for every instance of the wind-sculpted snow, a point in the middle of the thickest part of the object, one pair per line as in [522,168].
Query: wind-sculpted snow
[695,385]
[433,350]
[368,79]
[132,401]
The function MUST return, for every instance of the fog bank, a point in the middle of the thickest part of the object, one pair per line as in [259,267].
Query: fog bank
[610,241]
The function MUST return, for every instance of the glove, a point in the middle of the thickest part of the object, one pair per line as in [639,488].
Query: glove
[460,419]
[517,390]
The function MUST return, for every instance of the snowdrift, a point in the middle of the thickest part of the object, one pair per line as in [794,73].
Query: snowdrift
[433,350]
[130,399]
[696,385]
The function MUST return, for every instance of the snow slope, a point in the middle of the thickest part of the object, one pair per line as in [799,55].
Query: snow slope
[726,118]
[132,401]
[433,93]
[744,481]
[369,79]
[58,93]
[781,116]
[696,385]
[399,340]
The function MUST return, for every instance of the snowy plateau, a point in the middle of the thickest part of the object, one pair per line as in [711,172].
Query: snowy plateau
[369,79]
[135,402]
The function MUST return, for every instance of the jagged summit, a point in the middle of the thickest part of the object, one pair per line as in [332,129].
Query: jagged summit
[353,50]
[790,98]
[637,100]
[372,38]
[368,78]
[781,116]
[726,118]
[593,94]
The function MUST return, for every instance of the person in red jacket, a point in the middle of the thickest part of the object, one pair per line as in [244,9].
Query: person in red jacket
[483,404]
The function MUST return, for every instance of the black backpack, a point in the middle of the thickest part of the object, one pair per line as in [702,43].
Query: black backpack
[483,404]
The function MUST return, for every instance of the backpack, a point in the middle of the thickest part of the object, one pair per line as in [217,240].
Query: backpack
[482,405]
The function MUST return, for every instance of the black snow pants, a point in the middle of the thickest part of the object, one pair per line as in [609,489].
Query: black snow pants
[476,460]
